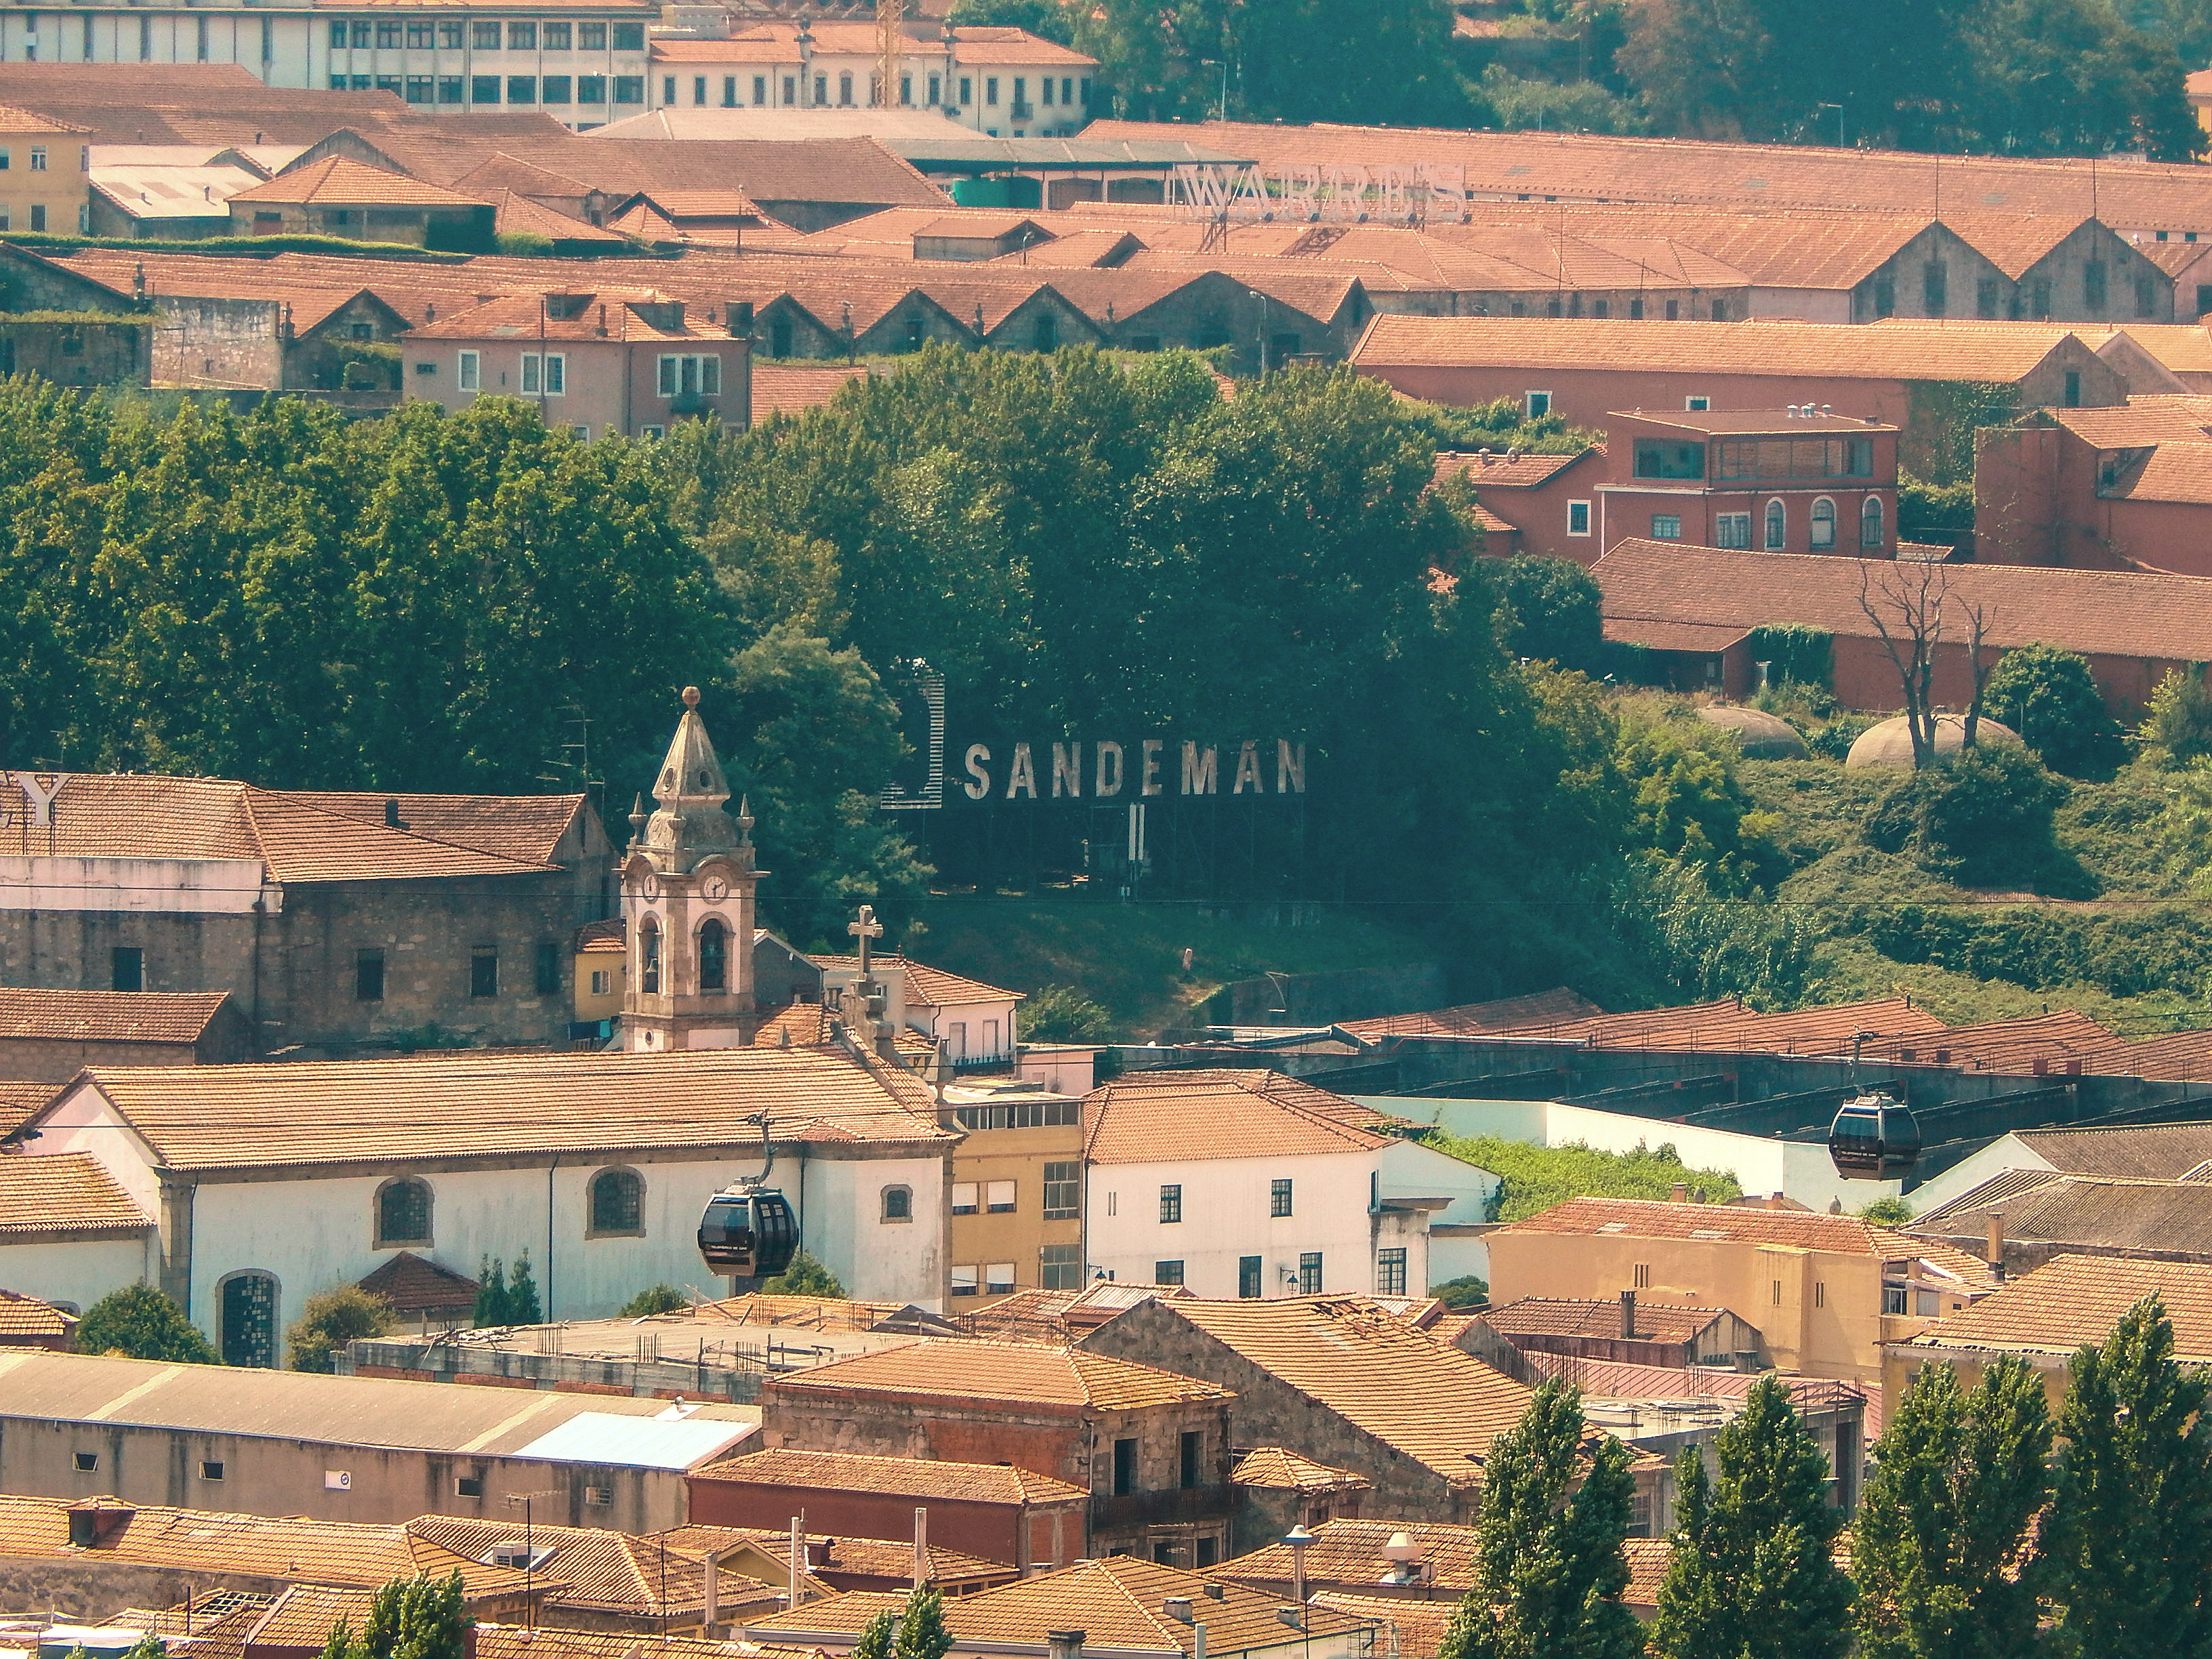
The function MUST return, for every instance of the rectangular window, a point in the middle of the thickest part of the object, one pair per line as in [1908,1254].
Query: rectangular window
[936,90]
[1536,404]
[1248,1276]
[1309,1273]
[760,88]
[1642,1275]
[364,34]
[483,972]
[629,89]
[521,88]
[729,92]
[1819,1293]
[1167,1273]
[1732,530]
[967,90]
[1021,94]
[452,33]
[469,373]
[629,37]
[126,968]
[522,37]
[418,89]
[1985,297]
[1060,1266]
[1778,1292]
[2073,375]
[2093,281]
[38,158]
[1934,287]
[964,1280]
[368,976]
[87,1462]
[999,1278]
[1063,1191]
[533,375]
[451,89]
[2146,288]
[484,88]
[601,980]
[554,89]
[1578,518]
[468,1486]
[1190,1458]
[1124,1468]
[483,36]
[1666,527]
[591,37]
[211,1470]
[698,89]
[1047,89]
[1697,405]
[421,37]
[1171,1203]
[591,89]
[998,1197]
[667,88]
[1659,458]
[965,1194]
[338,35]
[1278,1197]
[1390,1272]
[990,88]
[548,977]
[388,37]
[554,37]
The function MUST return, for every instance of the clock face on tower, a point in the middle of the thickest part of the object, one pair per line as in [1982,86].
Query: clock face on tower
[715,888]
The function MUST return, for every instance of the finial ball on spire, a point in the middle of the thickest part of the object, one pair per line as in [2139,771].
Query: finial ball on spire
[690,696]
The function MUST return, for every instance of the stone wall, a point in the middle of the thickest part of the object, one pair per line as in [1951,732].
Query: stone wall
[84,1588]
[211,342]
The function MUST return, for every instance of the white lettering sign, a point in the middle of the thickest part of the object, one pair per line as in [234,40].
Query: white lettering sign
[1182,767]
[1415,192]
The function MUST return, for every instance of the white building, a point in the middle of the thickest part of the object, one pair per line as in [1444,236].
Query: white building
[972,1021]
[1005,82]
[1252,1184]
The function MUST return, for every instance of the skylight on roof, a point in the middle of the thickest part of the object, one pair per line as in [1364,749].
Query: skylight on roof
[1612,1227]
[1707,1232]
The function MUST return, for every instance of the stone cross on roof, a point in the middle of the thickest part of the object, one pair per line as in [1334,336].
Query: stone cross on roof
[865,927]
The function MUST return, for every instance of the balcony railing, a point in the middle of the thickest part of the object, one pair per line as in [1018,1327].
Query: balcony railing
[1161,1509]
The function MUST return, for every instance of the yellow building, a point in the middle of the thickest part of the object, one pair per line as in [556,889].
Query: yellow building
[601,970]
[1017,1220]
[46,173]
[1824,1292]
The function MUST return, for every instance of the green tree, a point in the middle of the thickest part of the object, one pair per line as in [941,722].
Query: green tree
[149,1646]
[1549,608]
[1944,1548]
[878,1637]
[2051,698]
[1983,815]
[2130,1534]
[1752,1576]
[1049,20]
[1060,1013]
[1886,1212]
[139,1322]
[2071,78]
[654,1299]
[1549,1568]
[331,1320]
[921,1633]
[418,1618]
[522,1308]
[2177,723]
[494,1305]
[1467,1291]
[804,1277]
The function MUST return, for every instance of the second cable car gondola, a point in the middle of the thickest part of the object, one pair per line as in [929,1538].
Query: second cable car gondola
[1875,1138]
[749,1232]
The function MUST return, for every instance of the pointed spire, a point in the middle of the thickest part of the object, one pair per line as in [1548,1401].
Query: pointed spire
[691,791]
[637,815]
[744,819]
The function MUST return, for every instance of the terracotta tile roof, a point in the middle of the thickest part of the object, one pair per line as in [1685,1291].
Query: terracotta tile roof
[1116,1602]
[1277,1469]
[2157,1152]
[932,987]
[2097,612]
[206,1541]
[1620,1381]
[2096,1211]
[609,935]
[12,120]
[412,1284]
[68,1192]
[1804,1230]
[1431,1403]
[2141,421]
[1729,1026]
[107,1016]
[2179,473]
[1906,351]
[2076,1299]
[794,388]
[1543,1315]
[1706,638]
[839,170]
[2005,1045]
[901,1477]
[740,49]
[516,214]
[1059,1381]
[1415,1630]
[1649,1560]
[2183,348]
[463,1105]
[2178,1056]
[1501,469]
[609,314]
[26,1319]
[304,1615]
[601,1570]
[834,1554]
[1146,1117]
[551,1642]
[1349,1552]
[1556,1006]
[338,181]
[501,171]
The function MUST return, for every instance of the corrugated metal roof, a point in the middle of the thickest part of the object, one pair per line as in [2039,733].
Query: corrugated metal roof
[652,1442]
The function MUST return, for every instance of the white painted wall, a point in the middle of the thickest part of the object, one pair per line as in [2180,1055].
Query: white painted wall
[176,887]
[875,1259]
[78,1273]
[1801,1169]
[2006,1152]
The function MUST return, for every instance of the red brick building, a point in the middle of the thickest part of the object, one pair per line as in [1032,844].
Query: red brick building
[2103,489]
[1694,608]
[999,1511]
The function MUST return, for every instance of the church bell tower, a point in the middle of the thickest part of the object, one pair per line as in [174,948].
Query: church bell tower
[688,884]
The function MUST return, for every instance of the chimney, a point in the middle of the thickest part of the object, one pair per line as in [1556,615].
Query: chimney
[1680,1194]
[1997,1244]
[1177,1607]
[1776,1201]
[1064,1643]
[1628,1315]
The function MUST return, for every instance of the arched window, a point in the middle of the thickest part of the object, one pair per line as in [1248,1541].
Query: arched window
[1824,526]
[1777,527]
[1870,527]
[648,956]
[714,956]
[618,1203]
[248,1313]
[898,1203]
[403,1214]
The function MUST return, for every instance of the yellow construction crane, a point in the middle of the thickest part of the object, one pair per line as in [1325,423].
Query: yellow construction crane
[890,50]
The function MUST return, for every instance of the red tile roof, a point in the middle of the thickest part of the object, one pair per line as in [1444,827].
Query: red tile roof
[897,1477]
[1146,1117]
[26,1319]
[1062,1381]
[171,1016]
[794,388]
[1557,1006]
[1806,1230]
[338,181]
[64,1192]
[2074,1300]
[413,1283]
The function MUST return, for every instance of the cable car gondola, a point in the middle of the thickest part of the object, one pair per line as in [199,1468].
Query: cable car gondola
[1875,1138]
[749,1232]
